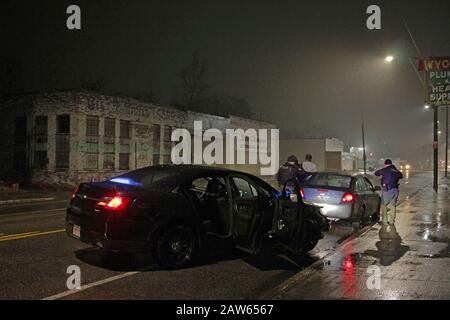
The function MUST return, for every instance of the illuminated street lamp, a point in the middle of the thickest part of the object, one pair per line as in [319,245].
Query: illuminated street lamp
[389,59]
[427,106]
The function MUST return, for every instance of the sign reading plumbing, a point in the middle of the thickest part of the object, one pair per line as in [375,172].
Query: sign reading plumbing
[239,146]
[438,80]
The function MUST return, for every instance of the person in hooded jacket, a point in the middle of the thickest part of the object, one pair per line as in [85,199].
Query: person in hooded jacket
[291,170]
[390,177]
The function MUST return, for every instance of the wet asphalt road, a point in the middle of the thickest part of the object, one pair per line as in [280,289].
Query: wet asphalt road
[35,253]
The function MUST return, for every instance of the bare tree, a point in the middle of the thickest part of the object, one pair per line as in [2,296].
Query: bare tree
[98,85]
[149,94]
[225,104]
[194,83]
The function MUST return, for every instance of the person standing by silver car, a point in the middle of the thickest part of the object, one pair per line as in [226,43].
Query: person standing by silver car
[390,177]
[308,165]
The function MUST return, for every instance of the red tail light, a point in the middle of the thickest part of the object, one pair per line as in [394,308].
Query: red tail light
[302,193]
[348,197]
[75,191]
[115,203]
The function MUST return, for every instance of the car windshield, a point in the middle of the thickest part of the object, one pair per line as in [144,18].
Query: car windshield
[330,180]
[143,177]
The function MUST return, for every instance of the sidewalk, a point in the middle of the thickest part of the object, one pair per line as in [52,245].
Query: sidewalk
[413,258]
[27,196]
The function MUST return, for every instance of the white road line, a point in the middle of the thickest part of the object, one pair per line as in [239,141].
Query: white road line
[30,204]
[5,215]
[91,285]
[31,200]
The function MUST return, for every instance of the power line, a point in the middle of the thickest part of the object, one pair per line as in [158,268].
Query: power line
[412,38]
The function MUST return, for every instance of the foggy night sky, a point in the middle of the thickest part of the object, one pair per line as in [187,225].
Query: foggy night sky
[306,66]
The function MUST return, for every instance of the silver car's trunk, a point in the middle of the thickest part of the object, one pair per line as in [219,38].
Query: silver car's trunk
[321,195]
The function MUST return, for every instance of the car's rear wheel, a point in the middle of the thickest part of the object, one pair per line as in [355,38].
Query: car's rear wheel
[376,216]
[357,221]
[175,247]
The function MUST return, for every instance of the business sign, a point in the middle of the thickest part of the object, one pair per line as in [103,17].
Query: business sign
[437,76]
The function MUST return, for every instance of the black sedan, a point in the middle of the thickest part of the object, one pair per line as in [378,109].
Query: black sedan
[173,211]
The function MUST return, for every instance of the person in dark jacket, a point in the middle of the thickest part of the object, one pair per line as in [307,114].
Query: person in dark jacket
[291,170]
[390,177]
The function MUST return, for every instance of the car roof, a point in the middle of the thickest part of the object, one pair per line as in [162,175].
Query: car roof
[190,168]
[182,173]
[339,173]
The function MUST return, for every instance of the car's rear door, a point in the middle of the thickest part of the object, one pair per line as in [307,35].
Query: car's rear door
[361,193]
[372,197]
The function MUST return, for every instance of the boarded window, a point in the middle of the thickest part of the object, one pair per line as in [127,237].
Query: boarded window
[110,128]
[91,161]
[62,150]
[125,129]
[92,126]
[124,161]
[63,123]
[40,131]
[108,161]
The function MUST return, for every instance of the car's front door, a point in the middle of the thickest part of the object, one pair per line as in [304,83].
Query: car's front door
[288,221]
[246,212]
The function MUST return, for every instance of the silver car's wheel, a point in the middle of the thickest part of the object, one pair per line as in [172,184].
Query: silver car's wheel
[357,220]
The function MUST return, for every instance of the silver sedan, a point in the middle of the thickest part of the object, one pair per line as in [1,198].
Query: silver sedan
[343,196]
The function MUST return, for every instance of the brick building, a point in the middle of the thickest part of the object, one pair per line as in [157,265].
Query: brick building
[71,136]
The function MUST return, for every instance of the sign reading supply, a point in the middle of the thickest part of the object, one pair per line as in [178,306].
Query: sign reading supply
[437,73]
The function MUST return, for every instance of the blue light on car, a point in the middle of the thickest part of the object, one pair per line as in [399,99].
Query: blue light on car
[127,181]
[279,194]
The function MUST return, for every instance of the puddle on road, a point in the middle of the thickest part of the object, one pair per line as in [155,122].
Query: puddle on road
[444,253]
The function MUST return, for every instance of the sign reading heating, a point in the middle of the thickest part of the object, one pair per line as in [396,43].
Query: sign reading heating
[437,72]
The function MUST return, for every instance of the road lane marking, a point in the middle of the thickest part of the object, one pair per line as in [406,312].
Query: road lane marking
[17,234]
[29,235]
[15,214]
[25,213]
[30,204]
[91,285]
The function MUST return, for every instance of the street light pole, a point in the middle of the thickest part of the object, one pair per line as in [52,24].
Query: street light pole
[446,141]
[364,146]
[435,148]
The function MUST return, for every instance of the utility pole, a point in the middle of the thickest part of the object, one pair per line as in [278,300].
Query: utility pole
[446,141]
[364,146]
[435,148]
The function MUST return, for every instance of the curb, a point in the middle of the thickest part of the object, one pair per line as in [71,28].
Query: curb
[2,202]
[274,293]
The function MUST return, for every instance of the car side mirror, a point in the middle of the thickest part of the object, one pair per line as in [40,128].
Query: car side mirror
[377,188]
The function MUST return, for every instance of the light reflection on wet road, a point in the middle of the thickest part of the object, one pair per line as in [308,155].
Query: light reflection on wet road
[413,257]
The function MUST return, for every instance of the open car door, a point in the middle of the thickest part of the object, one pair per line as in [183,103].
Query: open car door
[247,212]
[289,219]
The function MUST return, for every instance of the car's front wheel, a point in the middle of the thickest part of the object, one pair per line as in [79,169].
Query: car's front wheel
[175,247]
